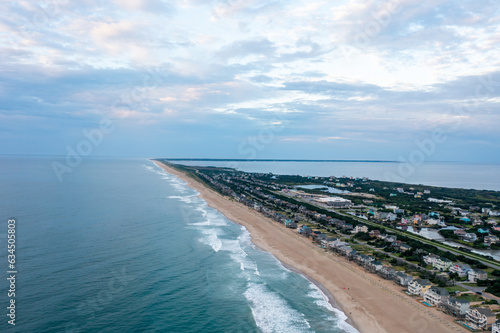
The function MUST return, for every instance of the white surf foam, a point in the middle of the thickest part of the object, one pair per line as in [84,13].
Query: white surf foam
[272,313]
[211,239]
[185,198]
[322,300]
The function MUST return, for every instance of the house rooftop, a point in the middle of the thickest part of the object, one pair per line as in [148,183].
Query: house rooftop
[458,300]
[423,282]
[485,311]
[440,291]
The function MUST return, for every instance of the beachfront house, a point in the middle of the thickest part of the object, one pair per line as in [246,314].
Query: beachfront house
[387,272]
[375,266]
[402,279]
[477,274]
[457,307]
[419,287]
[442,264]
[461,269]
[363,259]
[305,231]
[336,244]
[436,296]
[495,328]
[290,224]
[480,318]
[347,251]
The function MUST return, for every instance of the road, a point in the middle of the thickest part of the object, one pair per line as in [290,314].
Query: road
[479,289]
[487,262]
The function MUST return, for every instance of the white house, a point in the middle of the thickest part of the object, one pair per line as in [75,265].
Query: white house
[477,274]
[480,318]
[430,259]
[436,296]
[360,228]
[469,237]
[442,264]
[457,307]
[461,269]
[495,328]
[402,278]
[419,286]
[433,221]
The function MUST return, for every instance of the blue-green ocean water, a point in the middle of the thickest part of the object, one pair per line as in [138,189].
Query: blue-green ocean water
[121,246]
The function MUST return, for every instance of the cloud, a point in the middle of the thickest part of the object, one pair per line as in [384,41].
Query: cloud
[351,74]
[244,48]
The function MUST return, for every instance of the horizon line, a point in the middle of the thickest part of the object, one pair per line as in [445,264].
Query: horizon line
[269,160]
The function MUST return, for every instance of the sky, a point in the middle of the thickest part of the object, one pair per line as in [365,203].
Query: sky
[400,80]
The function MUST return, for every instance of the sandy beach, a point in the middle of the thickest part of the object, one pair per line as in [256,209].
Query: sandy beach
[372,303]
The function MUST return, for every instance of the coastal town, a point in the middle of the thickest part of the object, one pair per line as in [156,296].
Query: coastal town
[377,225]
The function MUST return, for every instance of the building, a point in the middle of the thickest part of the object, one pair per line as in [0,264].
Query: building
[404,248]
[442,264]
[419,286]
[457,307]
[402,279]
[480,318]
[470,237]
[375,265]
[495,328]
[387,272]
[461,269]
[360,228]
[477,274]
[433,221]
[290,224]
[430,259]
[436,296]
[335,201]
[491,239]
[305,230]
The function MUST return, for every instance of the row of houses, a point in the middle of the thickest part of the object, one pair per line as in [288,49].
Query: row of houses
[480,318]
[477,318]
[391,240]
[472,237]
[461,269]
[370,263]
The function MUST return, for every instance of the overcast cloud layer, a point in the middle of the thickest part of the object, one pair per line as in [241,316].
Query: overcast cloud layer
[247,78]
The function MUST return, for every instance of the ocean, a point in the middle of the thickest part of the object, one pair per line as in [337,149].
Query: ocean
[121,246]
[445,174]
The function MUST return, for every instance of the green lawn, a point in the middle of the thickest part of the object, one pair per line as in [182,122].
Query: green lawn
[471,297]
[455,288]
[361,248]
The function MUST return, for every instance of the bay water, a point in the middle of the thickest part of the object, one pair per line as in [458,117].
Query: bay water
[444,174]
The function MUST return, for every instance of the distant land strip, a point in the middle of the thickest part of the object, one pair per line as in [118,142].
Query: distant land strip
[271,160]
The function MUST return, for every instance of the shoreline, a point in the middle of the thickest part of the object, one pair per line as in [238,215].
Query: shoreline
[370,303]
[326,292]
[330,298]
